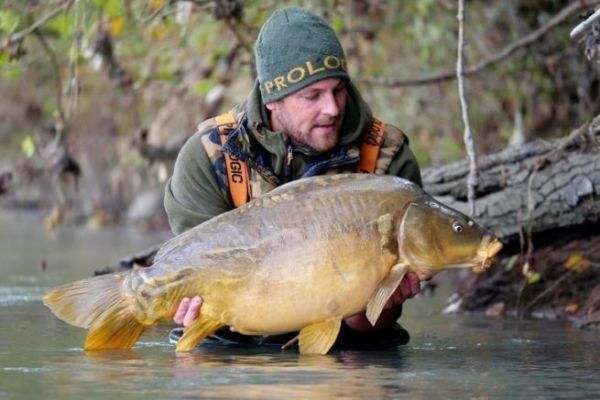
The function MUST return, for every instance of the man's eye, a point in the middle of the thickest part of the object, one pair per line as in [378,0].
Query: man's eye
[311,97]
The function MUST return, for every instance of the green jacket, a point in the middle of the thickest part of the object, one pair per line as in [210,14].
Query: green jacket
[197,191]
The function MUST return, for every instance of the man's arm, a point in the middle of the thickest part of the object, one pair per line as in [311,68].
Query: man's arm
[192,194]
[405,165]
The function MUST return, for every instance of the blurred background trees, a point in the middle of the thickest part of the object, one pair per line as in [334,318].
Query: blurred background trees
[98,95]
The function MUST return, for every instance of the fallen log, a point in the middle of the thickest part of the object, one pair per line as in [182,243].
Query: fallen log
[535,188]
[543,200]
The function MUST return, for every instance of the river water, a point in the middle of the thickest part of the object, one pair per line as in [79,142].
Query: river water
[448,357]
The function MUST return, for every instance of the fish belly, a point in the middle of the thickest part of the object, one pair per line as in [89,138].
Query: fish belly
[306,284]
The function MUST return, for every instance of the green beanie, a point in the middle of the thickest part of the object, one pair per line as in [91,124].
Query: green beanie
[294,49]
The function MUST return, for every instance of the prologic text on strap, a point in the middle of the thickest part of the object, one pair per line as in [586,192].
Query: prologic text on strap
[238,177]
[369,149]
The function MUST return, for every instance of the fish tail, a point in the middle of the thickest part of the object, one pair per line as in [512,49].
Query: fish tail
[99,305]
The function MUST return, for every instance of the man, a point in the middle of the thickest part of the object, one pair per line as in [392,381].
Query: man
[304,117]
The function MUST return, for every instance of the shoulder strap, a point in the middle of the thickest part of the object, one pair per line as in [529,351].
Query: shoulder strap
[369,149]
[237,170]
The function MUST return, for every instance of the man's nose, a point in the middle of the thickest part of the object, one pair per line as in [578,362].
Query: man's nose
[330,105]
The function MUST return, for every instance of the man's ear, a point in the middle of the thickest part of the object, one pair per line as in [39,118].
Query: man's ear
[271,106]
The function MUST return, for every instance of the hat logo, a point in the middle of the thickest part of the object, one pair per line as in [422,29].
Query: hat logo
[299,73]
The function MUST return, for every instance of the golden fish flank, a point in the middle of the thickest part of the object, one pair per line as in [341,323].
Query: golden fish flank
[323,248]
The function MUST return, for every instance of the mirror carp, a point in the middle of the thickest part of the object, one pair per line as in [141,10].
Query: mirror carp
[300,258]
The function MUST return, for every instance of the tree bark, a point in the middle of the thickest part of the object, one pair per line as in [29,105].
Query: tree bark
[542,199]
[538,187]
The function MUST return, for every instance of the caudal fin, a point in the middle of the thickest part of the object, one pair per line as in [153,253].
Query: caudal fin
[97,304]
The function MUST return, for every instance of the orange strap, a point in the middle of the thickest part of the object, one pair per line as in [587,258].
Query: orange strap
[237,170]
[238,176]
[369,150]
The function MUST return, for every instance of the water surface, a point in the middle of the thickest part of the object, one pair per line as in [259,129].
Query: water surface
[448,356]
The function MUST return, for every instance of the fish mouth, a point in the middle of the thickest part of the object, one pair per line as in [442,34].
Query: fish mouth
[489,249]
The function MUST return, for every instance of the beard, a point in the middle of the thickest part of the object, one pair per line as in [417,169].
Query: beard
[318,136]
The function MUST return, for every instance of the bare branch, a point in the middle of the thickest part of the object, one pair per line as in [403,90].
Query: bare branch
[56,67]
[19,36]
[155,13]
[583,27]
[502,55]
[197,2]
[468,135]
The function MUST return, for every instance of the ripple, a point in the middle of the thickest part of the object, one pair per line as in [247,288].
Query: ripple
[26,369]
[154,344]
[24,279]
[16,295]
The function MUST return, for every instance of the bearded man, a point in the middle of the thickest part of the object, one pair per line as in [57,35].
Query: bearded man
[304,117]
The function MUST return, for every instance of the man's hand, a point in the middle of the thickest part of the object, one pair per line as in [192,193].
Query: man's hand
[409,288]
[188,310]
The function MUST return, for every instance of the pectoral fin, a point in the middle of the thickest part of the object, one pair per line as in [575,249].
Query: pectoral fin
[384,291]
[318,338]
[198,330]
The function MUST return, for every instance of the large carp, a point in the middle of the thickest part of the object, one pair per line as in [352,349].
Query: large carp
[302,257]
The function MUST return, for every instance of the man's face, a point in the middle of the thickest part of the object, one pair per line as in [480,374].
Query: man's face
[313,115]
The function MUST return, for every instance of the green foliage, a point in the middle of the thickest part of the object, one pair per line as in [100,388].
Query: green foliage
[10,21]
[60,27]
[421,153]
[337,23]
[451,148]
[424,7]
[28,146]
[203,87]
[112,8]
[11,70]
[394,39]
[166,74]
[533,277]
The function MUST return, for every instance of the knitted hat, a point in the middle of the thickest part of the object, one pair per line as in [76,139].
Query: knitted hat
[294,49]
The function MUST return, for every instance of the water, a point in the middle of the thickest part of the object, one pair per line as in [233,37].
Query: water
[448,356]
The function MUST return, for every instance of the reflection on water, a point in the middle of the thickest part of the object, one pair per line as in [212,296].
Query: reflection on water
[448,357]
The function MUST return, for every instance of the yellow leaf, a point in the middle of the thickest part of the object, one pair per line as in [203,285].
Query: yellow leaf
[115,26]
[572,308]
[55,217]
[28,146]
[530,274]
[158,32]
[578,263]
[156,3]
[99,219]
[534,277]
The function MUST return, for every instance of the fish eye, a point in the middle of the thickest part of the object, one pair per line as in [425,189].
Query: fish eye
[457,227]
